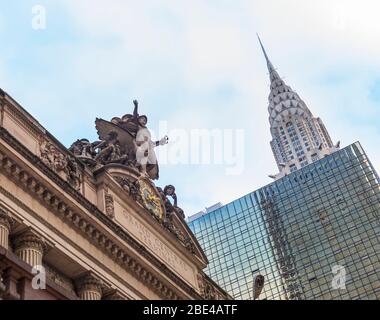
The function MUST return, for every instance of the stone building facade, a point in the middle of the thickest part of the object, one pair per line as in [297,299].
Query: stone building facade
[73,227]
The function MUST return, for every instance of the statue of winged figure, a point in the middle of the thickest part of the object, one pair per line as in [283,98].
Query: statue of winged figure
[128,141]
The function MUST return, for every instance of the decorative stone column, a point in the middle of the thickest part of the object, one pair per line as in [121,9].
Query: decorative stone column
[6,223]
[29,247]
[89,288]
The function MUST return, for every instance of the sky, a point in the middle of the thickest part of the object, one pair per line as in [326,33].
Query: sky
[193,66]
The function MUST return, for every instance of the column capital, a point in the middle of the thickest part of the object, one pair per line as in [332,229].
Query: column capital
[89,287]
[5,219]
[29,240]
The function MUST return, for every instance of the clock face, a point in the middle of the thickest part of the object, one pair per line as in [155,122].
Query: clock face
[151,198]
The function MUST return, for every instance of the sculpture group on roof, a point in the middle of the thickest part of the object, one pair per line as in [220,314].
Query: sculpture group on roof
[126,141]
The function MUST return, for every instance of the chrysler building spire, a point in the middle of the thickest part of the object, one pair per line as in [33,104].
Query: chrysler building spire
[272,71]
[298,138]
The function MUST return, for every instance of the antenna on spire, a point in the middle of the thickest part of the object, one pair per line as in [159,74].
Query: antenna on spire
[269,64]
[262,47]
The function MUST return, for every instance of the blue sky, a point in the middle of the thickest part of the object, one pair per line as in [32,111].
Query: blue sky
[196,64]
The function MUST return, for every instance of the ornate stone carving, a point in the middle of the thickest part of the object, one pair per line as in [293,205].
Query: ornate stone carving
[89,288]
[144,191]
[73,173]
[110,150]
[65,166]
[171,209]
[169,191]
[207,290]
[109,205]
[85,151]
[189,244]
[51,157]
[131,187]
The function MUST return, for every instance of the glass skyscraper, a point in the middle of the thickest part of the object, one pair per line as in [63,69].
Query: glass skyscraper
[313,234]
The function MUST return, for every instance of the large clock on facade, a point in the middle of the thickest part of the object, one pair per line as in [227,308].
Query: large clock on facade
[151,198]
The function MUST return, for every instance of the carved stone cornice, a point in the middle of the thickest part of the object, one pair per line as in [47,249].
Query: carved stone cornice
[57,204]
